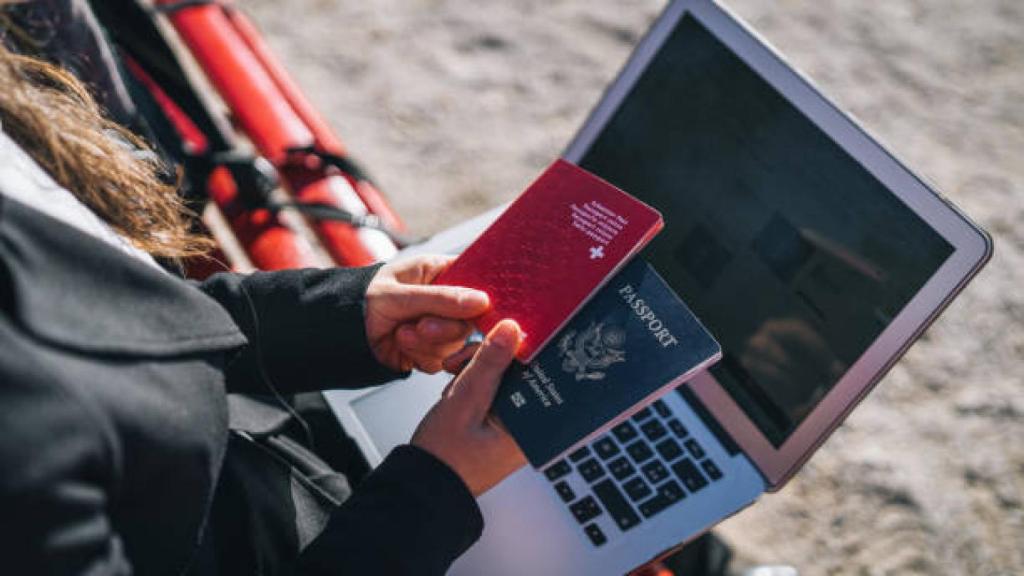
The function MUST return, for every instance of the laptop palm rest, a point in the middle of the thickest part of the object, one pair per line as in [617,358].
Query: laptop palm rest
[528,529]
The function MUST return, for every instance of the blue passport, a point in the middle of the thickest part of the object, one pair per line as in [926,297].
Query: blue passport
[630,343]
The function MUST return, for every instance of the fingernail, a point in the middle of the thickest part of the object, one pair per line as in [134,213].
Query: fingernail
[506,334]
[474,298]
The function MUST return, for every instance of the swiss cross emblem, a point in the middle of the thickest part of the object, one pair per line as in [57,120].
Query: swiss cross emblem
[596,252]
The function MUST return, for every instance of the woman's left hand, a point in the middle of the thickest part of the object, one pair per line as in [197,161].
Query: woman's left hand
[413,324]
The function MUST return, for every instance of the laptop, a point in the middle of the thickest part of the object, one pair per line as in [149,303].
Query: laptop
[812,254]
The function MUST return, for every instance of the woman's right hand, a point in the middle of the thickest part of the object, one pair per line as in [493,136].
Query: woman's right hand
[458,429]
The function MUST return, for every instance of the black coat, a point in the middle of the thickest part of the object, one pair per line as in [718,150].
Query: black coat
[113,418]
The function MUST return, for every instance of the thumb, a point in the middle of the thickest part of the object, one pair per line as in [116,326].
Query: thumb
[479,381]
[414,300]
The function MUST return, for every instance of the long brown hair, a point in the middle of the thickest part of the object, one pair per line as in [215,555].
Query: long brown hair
[52,116]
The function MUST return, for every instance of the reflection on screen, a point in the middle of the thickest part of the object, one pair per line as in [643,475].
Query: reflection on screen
[792,254]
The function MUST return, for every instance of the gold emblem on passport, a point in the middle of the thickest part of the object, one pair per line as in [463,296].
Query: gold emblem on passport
[588,353]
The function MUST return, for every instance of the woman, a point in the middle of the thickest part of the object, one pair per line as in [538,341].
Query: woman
[115,453]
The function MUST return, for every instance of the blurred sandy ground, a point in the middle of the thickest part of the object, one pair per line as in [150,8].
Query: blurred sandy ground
[456,105]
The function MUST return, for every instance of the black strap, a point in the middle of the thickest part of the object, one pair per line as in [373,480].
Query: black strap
[256,180]
[324,211]
[171,7]
[343,163]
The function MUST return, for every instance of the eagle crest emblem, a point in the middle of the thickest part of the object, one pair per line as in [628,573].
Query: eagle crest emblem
[588,353]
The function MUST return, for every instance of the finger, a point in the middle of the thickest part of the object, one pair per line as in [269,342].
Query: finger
[412,344]
[510,456]
[457,302]
[410,338]
[421,269]
[448,388]
[495,423]
[428,365]
[457,361]
[479,382]
[430,361]
[513,455]
[443,330]
[432,266]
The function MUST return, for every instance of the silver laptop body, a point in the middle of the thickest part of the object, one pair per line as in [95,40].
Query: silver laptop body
[814,256]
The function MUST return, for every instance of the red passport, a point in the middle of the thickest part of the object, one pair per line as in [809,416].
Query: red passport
[551,250]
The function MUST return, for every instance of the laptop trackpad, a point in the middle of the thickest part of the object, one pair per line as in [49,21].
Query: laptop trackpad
[390,414]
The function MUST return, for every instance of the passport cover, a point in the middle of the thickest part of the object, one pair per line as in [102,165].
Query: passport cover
[551,250]
[627,346]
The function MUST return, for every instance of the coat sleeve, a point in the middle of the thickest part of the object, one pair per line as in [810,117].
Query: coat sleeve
[306,329]
[58,471]
[411,515]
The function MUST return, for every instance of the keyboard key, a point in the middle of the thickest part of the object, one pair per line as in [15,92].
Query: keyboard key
[669,449]
[585,510]
[712,469]
[580,454]
[671,491]
[565,491]
[662,409]
[689,475]
[606,448]
[655,471]
[639,451]
[621,468]
[653,430]
[624,432]
[616,505]
[654,505]
[695,448]
[642,415]
[591,470]
[594,533]
[637,489]
[557,470]
[677,428]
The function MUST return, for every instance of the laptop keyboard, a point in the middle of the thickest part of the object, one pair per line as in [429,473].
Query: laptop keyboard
[643,466]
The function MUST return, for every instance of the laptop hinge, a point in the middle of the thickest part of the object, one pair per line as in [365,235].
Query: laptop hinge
[705,416]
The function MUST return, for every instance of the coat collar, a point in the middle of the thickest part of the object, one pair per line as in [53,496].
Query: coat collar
[74,291]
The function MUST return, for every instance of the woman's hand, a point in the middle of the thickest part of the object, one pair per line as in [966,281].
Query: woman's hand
[458,429]
[412,324]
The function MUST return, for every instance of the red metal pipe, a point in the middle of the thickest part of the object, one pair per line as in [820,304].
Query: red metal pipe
[256,103]
[322,133]
[269,243]
[266,115]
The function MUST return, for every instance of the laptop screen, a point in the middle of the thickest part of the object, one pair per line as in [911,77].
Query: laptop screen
[792,254]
